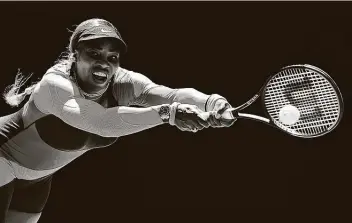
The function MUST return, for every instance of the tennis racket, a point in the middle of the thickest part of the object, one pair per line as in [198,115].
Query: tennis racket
[301,100]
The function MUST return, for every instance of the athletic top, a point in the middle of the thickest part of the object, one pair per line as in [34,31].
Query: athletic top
[57,125]
[50,130]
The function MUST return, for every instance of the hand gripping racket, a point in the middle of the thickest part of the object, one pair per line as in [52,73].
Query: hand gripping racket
[301,100]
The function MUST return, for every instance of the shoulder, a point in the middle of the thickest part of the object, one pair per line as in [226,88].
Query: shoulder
[61,68]
[129,84]
[124,75]
[54,90]
[56,82]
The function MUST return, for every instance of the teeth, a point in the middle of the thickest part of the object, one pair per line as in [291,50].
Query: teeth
[100,74]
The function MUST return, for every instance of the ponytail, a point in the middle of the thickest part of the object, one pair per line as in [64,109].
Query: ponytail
[12,94]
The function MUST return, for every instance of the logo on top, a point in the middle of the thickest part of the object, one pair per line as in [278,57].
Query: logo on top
[105,31]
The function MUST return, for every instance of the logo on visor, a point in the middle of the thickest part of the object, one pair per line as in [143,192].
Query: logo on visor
[105,31]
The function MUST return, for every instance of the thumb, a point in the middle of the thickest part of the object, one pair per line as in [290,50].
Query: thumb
[223,107]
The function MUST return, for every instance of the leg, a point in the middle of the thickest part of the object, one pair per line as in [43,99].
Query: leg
[28,200]
[6,192]
[13,216]
[6,187]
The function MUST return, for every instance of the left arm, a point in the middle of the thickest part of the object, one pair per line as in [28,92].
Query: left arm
[139,90]
[162,94]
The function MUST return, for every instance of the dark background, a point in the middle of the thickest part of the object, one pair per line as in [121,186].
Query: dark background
[229,48]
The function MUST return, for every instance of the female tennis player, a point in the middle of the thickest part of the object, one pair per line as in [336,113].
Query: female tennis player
[85,101]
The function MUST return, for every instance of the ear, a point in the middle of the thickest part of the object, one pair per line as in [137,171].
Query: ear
[75,54]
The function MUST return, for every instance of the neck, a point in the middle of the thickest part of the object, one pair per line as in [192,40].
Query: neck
[95,95]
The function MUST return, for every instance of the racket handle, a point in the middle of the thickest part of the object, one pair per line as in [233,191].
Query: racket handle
[233,113]
[230,113]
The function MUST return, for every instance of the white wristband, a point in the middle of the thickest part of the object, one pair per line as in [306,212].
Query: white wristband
[173,109]
[209,105]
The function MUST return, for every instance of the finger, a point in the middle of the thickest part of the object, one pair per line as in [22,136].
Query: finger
[204,115]
[227,122]
[195,124]
[217,120]
[187,126]
[202,121]
[200,118]
[196,110]
[213,121]
[192,129]
[181,125]
[222,109]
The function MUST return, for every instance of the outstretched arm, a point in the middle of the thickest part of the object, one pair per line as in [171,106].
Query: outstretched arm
[136,89]
[58,96]
[131,88]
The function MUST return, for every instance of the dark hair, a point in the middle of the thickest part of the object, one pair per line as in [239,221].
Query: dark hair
[12,94]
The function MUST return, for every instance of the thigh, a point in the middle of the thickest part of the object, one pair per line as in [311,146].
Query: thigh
[6,192]
[31,195]
[6,171]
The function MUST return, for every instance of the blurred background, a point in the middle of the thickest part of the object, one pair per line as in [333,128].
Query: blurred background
[228,48]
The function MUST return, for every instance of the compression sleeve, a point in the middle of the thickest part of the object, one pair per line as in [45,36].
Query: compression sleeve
[57,95]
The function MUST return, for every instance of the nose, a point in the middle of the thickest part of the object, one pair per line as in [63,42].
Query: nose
[102,65]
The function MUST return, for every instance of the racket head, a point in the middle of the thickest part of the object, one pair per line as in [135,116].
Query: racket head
[309,89]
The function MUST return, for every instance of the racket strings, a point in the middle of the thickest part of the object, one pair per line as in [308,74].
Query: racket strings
[311,93]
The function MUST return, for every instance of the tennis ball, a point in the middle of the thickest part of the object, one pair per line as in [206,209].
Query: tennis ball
[289,115]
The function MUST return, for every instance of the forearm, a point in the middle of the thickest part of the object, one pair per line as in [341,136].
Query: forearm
[129,120]
[165,95]
[113,122]
[191,96]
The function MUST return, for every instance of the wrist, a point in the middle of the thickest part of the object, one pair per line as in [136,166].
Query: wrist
[173,110]
[167,112]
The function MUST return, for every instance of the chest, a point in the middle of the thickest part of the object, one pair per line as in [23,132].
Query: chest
[59,135]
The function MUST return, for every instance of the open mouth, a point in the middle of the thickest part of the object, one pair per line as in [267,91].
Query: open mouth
[100,77]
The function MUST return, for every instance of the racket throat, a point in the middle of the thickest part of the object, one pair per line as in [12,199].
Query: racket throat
[252,117]
[237,114]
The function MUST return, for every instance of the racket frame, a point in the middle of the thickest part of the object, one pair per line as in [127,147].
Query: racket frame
[268,119]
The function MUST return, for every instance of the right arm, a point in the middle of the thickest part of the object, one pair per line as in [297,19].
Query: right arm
[58,96]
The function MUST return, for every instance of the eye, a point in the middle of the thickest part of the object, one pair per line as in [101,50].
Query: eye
[113,59]
[93,54]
